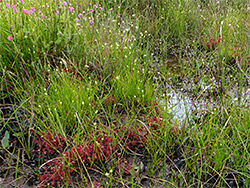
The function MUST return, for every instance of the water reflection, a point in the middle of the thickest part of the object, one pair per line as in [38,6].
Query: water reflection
[186,109]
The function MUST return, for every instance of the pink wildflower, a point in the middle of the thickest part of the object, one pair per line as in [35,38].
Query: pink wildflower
[26,11]
[10,38]
[14,8]
[32,10]
[64,3]
[71,9]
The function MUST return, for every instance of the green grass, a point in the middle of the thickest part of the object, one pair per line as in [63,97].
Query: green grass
[101,77]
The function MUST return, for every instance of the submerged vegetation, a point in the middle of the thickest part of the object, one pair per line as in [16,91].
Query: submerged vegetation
[124,93]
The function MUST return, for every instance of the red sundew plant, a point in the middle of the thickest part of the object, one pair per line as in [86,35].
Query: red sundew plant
[59,170]
[212,43]
[71,71]
[125,167]
[99,150]
[240,62]
[94,184]
[239,57]
[155,122]
[135,138]
[48,144]
[55,173]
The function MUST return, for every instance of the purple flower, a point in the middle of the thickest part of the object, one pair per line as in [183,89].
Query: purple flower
[110,10]
[7,5]
[128,40]
[133,36]
[64,3]
[79,15]
[100,8]
[77,20]
[91,10]
[79,25]
[26,11]
[40,12]
[71,9]
[32,10]
[95,6]
[57,12]
[91,21]
[14,8]
[10,38]
[42,16]
[21,1]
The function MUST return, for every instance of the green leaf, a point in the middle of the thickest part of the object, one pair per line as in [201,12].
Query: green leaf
[58,41]
[18,134]
[5,140]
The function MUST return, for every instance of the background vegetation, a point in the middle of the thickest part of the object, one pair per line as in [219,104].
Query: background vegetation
[87,89]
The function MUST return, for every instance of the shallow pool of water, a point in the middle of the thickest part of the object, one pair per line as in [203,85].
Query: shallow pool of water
[185,109]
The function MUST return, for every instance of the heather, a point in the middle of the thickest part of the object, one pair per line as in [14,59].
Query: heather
[124,93]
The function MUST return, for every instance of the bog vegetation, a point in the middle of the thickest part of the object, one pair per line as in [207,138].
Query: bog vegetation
[124,93]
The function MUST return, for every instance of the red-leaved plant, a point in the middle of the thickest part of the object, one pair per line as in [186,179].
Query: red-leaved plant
[212,43]
[61,168]
[48,144]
